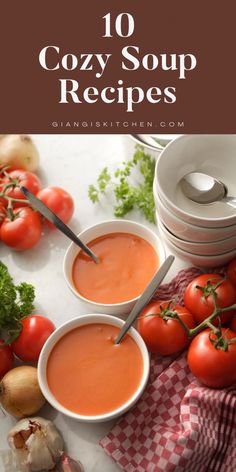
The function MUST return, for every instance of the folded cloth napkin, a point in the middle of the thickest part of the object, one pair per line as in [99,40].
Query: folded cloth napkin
[178,425]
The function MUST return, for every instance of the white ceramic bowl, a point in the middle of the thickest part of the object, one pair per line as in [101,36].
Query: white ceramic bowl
[210,154]
[130,141]
[196,259]
[202,249]
[129,147]
[100,229]
[67,327]
[187,231]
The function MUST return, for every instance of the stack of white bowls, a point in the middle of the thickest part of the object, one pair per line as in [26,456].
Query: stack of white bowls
[205,235]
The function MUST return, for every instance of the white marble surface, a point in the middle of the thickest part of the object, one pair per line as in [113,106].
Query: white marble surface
[72,162]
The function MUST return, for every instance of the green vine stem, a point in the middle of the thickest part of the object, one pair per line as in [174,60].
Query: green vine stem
[206,323]
[170,313]
[11,185]
[12,199]
[216,312]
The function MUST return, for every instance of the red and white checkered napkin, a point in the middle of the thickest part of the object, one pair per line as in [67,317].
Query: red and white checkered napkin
[178,425]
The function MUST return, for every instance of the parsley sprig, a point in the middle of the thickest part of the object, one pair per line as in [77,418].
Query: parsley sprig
[16,302]
[128,195]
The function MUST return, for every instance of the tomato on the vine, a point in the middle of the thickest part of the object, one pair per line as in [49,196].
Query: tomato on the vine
[2,212]
[233,324]
[35,331]
[231,271]
[211,364]
[198,297]
[59,201]
[23,231]
[3,201]
[162,332]
[25,178]
[6,359]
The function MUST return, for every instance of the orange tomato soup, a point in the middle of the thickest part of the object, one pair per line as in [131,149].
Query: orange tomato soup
[127,264]
[90,375]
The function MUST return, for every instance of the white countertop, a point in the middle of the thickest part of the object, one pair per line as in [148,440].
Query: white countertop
[72,162]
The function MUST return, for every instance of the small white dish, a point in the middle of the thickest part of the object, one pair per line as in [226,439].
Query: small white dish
[195,259]
[202,249]
[185,230]
[101,229]
[66,328]
[130,144]
[210,154]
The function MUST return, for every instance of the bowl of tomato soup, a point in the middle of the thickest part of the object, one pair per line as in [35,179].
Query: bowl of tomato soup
[84,375]
[129,253]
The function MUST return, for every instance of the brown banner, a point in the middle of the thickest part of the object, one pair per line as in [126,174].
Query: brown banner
[117,67]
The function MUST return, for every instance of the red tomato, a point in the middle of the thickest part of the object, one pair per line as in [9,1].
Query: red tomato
[199,300]
[233,324]
[213,366]
[165,336]
[35,331]
[6,359]
[231,271]
[26,179]
[3,201]
[2,212]
[59,201]
[24,231]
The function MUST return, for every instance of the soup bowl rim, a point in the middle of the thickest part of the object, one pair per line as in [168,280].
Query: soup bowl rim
[118,307]
[66,328]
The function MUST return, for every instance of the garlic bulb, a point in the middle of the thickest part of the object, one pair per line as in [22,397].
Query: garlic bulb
[36,443]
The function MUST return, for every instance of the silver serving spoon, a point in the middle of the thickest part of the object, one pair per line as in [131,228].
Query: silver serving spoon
[145,297]
[203,188]
[51,216]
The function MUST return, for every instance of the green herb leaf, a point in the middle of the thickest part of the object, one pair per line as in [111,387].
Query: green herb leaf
[103,180]
[16,302]
[93,194]
[129,195]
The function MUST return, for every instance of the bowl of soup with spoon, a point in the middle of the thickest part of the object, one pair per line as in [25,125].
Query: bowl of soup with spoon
[85,375]
[129,254]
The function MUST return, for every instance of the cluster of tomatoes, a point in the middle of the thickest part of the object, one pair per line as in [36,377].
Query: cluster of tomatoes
[209,302]
[20,224]
[27,346]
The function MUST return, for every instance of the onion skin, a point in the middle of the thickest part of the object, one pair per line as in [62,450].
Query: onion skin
[18,150]
[20,394]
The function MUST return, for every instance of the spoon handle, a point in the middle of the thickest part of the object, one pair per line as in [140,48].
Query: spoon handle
[145,297]
[51,216]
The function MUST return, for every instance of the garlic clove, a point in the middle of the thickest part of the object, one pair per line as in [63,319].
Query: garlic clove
[67,464]
[54,439]
[19,441]
[39,455]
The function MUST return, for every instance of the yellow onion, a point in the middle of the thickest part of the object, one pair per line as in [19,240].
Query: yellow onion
[20,394]
[18,150]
